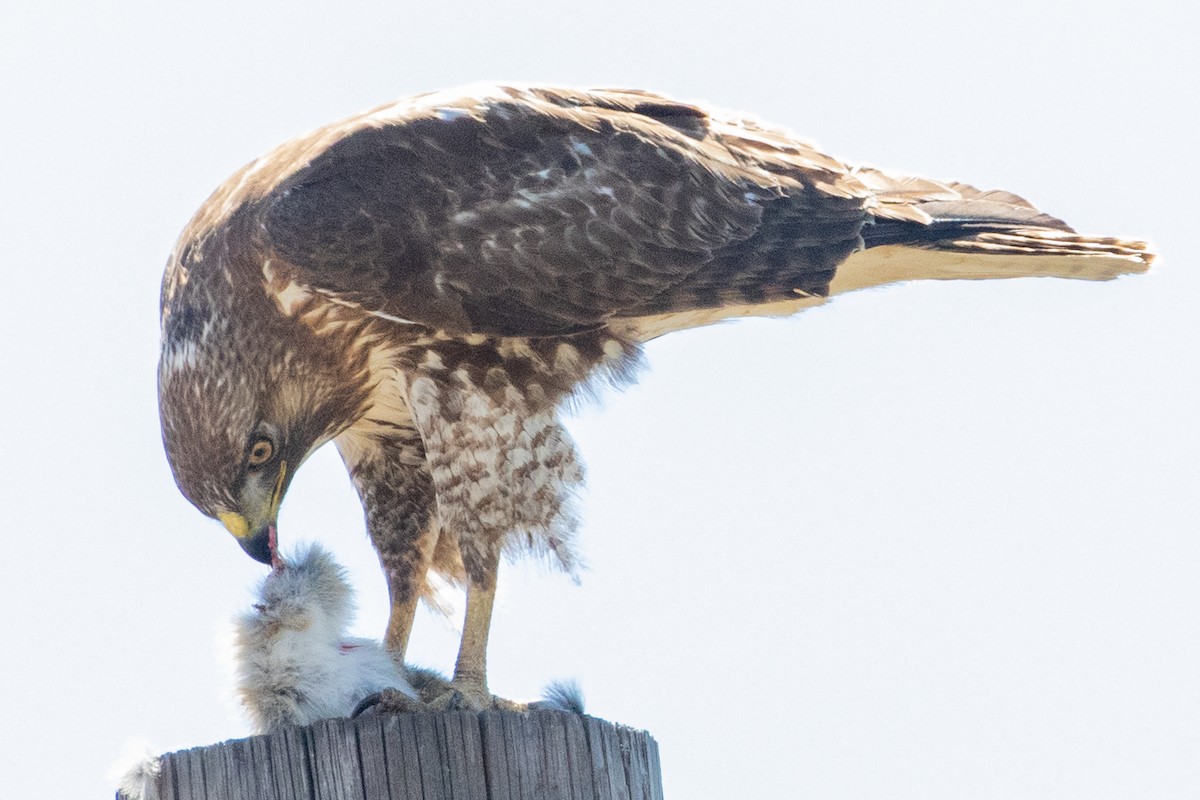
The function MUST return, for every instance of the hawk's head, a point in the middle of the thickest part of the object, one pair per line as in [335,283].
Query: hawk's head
[244,398]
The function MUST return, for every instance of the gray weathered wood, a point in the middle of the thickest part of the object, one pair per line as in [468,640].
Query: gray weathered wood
[545,755]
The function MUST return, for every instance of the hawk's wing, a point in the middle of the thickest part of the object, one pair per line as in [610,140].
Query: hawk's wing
[536,211]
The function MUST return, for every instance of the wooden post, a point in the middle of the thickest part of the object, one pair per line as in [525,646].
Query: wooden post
[455,755]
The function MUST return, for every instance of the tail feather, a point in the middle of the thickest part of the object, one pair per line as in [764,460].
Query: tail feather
[1043,242]
[989,254]
[931,208]
[926,229]
[923,229]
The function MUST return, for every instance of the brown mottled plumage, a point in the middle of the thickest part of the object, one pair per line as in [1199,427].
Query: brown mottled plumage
[423,284]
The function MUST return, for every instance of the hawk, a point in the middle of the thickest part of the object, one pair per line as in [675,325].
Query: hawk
[425,283]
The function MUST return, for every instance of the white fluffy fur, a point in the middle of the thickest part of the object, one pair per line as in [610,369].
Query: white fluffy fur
[295,663]
[136,772]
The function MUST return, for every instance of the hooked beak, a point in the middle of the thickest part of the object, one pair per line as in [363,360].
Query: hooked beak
[259,541]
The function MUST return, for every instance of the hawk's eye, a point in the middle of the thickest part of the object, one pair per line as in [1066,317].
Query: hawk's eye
[260,452]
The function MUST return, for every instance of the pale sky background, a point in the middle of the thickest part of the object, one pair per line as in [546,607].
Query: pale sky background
[931,541]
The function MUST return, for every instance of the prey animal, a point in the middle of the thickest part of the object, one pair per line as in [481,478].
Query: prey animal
[425,283]
[296,662]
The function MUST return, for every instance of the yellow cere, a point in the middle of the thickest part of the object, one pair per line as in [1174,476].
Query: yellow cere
[235,523]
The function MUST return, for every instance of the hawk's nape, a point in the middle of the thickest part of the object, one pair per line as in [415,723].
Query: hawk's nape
[423,284]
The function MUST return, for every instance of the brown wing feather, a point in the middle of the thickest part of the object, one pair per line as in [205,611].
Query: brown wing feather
[541,211]
[545,211]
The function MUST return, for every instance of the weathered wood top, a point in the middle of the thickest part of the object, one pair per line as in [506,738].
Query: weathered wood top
[544,755]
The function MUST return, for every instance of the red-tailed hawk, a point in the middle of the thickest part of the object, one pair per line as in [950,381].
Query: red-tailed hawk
[423,284]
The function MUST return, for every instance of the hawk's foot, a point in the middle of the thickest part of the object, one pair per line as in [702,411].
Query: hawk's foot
[388,701]
[435,693]
[470,697]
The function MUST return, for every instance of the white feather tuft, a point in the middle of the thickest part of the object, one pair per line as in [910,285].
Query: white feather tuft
[136,771]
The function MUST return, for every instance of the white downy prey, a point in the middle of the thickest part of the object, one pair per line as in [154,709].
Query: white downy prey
[295,662]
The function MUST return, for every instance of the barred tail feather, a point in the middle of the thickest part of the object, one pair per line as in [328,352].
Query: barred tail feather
[989,254]
[923,229]
[1002,252]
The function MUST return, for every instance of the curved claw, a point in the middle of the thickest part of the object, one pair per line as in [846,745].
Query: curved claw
[366,704]
[388,701]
